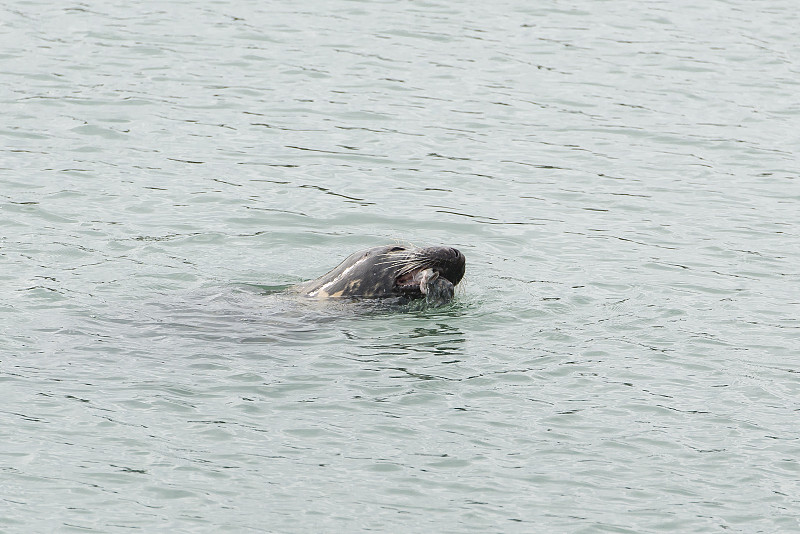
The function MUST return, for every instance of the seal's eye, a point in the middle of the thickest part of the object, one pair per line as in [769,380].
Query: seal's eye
[396,249]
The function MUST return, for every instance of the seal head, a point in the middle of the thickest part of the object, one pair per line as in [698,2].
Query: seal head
[392,271]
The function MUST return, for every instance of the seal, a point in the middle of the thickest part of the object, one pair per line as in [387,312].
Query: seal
[392,271]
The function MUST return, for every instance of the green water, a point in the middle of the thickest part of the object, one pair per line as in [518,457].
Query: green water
[620,357]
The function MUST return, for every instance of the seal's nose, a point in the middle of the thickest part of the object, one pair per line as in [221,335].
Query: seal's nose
[455,271]
[456,256]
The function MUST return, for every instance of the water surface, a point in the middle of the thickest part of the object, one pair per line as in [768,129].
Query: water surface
[621,356]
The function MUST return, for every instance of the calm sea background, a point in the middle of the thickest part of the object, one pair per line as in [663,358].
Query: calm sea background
[622,356]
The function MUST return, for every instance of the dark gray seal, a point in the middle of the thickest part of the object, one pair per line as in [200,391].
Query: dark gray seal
[392,271]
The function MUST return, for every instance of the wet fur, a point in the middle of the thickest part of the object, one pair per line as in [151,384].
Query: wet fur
[382,272]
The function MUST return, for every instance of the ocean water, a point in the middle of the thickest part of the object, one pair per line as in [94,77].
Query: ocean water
[622,355]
